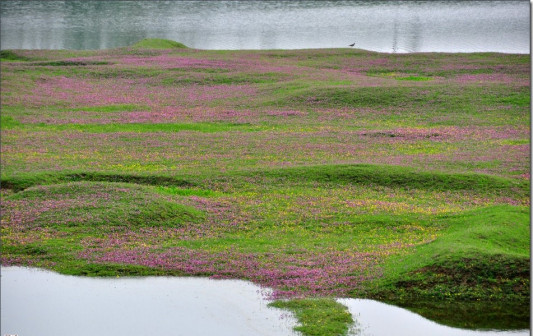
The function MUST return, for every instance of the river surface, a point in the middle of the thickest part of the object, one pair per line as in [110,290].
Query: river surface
[36,302]
[386,26]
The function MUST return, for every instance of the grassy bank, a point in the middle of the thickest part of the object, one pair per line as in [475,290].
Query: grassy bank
[319,173]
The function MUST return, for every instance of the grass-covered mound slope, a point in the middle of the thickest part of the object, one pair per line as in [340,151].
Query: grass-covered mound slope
[21,182]
[355,174]
[318,173]
[483,255]
[93,205]
[396,177]
[155,43]
[10,56]
[49,224]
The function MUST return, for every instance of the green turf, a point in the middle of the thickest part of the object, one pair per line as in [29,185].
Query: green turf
[483,254]
[318,317]
[155,43]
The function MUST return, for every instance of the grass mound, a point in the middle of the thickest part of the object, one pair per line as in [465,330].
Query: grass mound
[397,177]
[138,127]
[90,204]
[434,97]
[9,55]
[155,43]
[23,181]
[358,97]
[484,255]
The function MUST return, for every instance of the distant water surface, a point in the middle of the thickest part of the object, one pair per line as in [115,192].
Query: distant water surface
[387,26]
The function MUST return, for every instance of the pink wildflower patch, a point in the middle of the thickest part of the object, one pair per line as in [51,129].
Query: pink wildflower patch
[285,113]
[170,61]
[301,274]
[495,77]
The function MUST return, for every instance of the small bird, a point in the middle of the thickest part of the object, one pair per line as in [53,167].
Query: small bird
[351,45]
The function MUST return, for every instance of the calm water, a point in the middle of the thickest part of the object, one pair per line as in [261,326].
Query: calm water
[379,319]
[42,303]
[389,26]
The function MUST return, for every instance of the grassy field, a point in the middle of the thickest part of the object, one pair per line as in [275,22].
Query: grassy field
[320,173]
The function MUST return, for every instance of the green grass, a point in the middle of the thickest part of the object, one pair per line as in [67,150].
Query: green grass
[93,204]
[358,97]
[483,254]
[109,108]
[155,43]
[107,270]
[432,97]
[24,181]
[318,317]
[186,191]
[204,127]
[397,177]
[514,98]
[398,75]
[362,174]
[213,78]
[414,78]
[482,257]
[7,122]
[11,56]
[70,63]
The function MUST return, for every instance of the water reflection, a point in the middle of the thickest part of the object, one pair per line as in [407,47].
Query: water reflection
[376,318]
[390,26]
[473,314]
